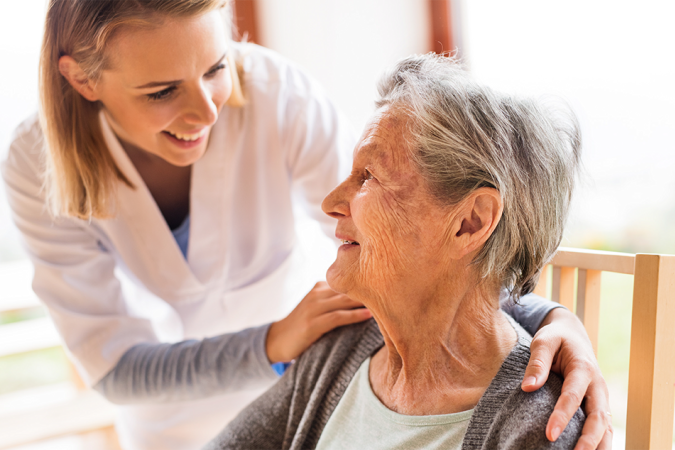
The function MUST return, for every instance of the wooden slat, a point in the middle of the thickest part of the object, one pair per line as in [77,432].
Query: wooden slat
[111,439]
[651,377]
[442,38]
[588,303]
[555,284]
[542,285]
[28,335]
[75,377]
[563,286]
[87,411]
[595,260]
[245,17]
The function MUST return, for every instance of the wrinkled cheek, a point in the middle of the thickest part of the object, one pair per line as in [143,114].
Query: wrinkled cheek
[384,254]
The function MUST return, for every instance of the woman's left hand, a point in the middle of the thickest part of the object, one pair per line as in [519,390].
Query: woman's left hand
[562,345]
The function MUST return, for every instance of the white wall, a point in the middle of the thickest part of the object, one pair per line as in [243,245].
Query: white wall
[346,44]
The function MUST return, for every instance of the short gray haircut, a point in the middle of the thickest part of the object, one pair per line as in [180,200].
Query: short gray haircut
[464,136]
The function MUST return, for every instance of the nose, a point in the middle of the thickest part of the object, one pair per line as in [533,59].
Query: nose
[336,203]
[200,108]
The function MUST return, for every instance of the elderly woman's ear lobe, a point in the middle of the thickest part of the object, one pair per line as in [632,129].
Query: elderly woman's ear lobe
[475,219]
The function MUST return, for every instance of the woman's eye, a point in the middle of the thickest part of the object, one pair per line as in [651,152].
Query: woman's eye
[215,70]
[368,176]
[163,94]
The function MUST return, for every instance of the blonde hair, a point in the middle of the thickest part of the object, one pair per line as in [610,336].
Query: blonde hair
[81,174]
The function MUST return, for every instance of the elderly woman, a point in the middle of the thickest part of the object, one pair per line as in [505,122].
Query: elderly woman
[456,195]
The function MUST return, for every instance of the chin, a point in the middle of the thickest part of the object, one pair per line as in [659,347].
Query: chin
[183,158]
[336,279]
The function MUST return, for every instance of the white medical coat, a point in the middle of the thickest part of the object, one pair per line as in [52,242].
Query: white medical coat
[288,142]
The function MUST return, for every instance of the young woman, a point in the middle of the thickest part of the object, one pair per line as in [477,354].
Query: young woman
[166,155]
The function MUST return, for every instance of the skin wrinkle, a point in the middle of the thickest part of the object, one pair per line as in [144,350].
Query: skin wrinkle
[405,381]
[444,336]
[394,193]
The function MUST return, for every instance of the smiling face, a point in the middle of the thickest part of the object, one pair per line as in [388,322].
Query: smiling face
[165,86]
[396,230]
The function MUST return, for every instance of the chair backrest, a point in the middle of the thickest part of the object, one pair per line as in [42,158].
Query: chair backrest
[651,375]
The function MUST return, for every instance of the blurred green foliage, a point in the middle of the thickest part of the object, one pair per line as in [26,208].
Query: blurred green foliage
[24,314]
[33,369]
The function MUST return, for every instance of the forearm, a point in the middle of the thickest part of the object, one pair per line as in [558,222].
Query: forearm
[188,370]
[532,312]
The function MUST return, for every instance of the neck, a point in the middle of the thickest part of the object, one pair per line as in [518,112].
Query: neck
[442,355]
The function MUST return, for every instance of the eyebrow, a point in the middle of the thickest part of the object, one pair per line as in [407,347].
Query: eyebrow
[177,82]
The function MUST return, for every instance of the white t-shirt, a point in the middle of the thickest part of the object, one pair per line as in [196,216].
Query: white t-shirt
[360,420]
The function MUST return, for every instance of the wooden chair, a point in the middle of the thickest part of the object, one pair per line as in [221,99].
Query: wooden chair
[651,376]
[50,411]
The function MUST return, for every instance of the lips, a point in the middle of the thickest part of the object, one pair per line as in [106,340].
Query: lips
[187,141]
[188,137]
[346,242]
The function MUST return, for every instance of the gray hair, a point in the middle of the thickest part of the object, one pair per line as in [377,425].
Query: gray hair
[464,136]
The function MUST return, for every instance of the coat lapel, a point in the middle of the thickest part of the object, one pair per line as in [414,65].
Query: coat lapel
[142,236]
[210,199]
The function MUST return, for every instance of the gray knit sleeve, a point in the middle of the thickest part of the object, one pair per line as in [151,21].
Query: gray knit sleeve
[530,311]
[188,370]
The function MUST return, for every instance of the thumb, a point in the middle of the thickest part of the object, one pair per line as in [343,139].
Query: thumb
[542,353]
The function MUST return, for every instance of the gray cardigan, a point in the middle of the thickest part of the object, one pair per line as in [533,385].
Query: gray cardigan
[293,413]
[193,369]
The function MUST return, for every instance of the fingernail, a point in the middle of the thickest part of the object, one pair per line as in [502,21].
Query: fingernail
[529,381]
[555,433]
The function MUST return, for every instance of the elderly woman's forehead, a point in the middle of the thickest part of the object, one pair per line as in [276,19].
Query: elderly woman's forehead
[384,134]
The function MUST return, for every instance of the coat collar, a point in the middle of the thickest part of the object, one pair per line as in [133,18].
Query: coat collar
[145,241]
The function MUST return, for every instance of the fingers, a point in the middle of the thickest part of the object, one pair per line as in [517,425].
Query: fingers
[606,443]
[321,292]
[337,301]
[542,354]
[320,311]
[574,387]
[339,318]
[597,431]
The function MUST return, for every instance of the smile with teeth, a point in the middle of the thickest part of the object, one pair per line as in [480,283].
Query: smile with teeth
[189,137]
[350,242]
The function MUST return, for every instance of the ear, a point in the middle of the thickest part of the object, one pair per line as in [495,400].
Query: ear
[474,221]
[72,72]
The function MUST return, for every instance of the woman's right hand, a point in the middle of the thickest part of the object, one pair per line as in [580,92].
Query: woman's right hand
[320,311]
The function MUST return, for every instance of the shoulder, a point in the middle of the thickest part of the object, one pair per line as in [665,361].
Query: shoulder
[25,150]
[264,71]
[338,345]
[509,418]
[520,421]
